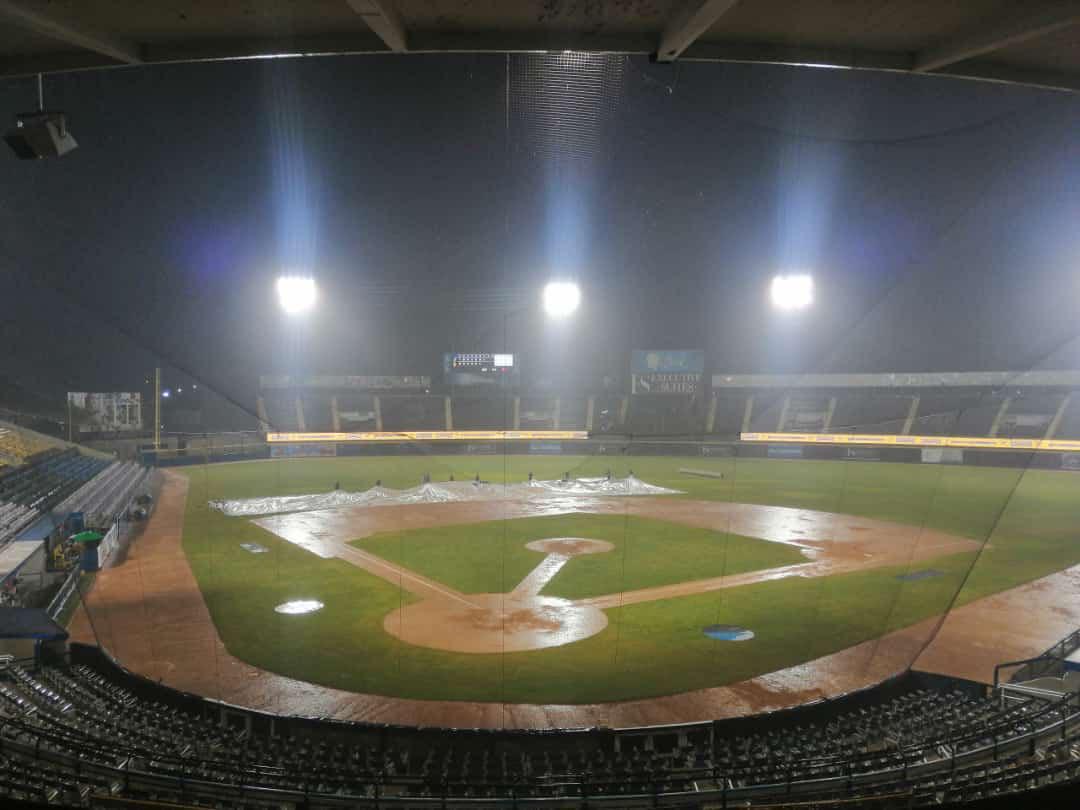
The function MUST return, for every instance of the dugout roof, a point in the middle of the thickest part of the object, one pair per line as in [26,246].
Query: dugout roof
[29,623]
[1036,43]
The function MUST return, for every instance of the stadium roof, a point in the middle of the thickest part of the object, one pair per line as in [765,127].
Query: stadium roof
[1035,43]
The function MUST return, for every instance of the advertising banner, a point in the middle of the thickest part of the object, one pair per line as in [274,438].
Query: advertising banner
[302,450]
[971,442]
[942,455]
[668,361]
[666,371]
[665,383]
[428,436]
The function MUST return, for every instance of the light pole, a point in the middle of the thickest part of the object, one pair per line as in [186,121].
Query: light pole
[157,409]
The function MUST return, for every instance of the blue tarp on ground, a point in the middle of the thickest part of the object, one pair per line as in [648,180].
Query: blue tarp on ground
[33,623]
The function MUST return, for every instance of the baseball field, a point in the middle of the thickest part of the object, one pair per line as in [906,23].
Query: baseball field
[607,599]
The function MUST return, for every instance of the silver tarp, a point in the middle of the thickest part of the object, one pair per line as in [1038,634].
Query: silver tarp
[440,493]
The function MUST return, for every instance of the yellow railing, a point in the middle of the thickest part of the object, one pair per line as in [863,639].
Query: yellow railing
[429,436]
[886,439]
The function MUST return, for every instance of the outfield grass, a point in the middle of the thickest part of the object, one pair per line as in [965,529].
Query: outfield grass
[648,649]
[491,557]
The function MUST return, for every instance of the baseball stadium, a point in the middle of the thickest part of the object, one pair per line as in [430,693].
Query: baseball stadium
[456,404]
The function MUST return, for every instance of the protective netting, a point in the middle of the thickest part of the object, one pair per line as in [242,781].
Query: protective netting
[440,493]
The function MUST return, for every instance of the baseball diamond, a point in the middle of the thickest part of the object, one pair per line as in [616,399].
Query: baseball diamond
[581,606]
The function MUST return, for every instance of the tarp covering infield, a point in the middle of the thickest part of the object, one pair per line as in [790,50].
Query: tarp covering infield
[441,493]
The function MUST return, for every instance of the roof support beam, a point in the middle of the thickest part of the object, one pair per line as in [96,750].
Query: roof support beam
[690,22]
[383,19]
[1029,23]
[39,22]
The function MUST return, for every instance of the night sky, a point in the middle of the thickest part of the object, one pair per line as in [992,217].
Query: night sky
[432,196]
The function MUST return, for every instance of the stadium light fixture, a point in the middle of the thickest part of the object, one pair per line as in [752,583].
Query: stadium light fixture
[561,298]
[792,292]
[296,294]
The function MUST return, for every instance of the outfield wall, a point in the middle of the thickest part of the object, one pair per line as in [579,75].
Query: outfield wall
[788,448]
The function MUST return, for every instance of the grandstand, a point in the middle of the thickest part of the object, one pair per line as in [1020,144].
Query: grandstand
[1038,405]
[75,732]
[41,483]
[47,482]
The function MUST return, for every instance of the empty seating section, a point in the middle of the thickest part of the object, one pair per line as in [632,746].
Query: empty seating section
[730,409]
[48,478]
[807,413]
[317,416]
[868,412]
[101,499]
[572,412]
[356,412]
[938,411]
[768,407]
[493,412]
[1014,413]
[65,481]
[1069,426]
[679,415]
[978,418]
[1029,415]
[70,733]
[13,518]
[413,412]
[281,410]
[536,412]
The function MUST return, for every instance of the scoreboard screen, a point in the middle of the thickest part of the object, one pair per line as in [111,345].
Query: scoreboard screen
[479,368]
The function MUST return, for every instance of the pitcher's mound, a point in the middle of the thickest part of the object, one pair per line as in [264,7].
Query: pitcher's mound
[494,623]
[570,546]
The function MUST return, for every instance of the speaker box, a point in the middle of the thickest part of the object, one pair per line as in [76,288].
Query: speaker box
[40,135]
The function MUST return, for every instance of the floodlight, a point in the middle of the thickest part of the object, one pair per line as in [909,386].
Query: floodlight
[561,298]
[38,135]
[296,294]
[166,393]
[792,292]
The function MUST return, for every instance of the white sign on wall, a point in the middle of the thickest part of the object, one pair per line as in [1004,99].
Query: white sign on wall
[106,412]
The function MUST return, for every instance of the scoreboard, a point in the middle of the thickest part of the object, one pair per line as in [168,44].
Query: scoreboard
[484,363]
[479,368]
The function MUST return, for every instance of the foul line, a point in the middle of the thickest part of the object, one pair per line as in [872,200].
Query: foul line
[376,562]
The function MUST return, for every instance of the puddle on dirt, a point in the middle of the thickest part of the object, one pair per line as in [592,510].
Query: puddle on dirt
[728,632]
[297,606]
[254,548]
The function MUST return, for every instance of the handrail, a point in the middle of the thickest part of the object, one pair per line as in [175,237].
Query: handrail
[1057,652]
[59,600]
[1021,662]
